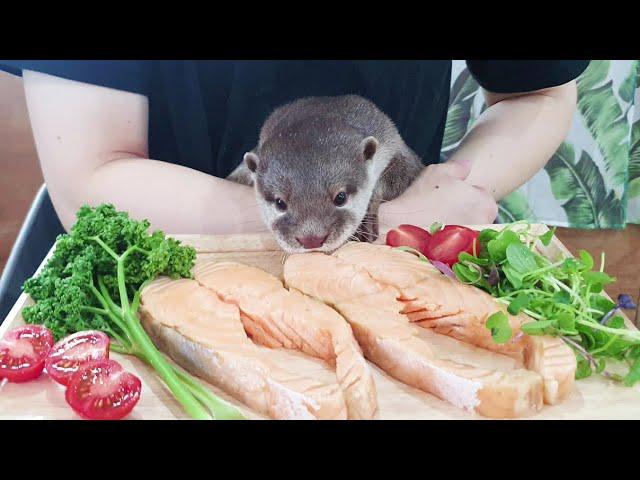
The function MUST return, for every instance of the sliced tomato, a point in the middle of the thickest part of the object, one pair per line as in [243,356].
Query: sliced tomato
[446,244]
[103,390]
[409,236]
[23,351]
[73,351]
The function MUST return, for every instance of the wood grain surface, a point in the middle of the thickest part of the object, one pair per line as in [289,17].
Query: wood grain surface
[594,398]
[622,254]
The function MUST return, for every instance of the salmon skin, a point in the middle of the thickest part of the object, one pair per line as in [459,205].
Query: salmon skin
[205,335]
[452,308]
[278,318]
[391,341]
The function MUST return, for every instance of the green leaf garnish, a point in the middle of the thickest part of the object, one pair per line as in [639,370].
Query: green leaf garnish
[514,277]
[634,352]
[571,265]
[588,341]
[519,303]
[466,273]
[583,369]
[520,258]
[486,235]
[501,331]
[602,304]
[600,278]
[537,328]
[465,257]
[567,323]
[564,297]
[497,247]
[616,322]
[587,259]
[435,226]
[634,374]
[546,237]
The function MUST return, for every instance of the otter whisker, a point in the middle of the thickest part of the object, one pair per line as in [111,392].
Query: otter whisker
[364,235]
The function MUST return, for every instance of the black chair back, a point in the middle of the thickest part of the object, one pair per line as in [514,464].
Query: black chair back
[37,235]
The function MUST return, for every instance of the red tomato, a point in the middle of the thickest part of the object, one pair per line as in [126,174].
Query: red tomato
[103,390]
[23,351]
[71,352]
[409,236]
[448,243]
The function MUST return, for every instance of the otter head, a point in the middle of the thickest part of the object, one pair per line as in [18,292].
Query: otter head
[313,185]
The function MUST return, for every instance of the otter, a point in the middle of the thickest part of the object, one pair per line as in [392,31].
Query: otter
[322,167]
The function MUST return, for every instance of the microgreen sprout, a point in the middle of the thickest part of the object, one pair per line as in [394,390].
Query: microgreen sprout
[624,302]
[564,297]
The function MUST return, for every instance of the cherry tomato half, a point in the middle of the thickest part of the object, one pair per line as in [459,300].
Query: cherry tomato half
[446,244]
[23,351]
[103,390]
[70,353]
[409,236]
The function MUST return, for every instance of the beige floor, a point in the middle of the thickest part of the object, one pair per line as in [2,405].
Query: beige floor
[20,178]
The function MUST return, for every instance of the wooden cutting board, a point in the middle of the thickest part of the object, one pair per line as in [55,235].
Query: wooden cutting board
[594,398]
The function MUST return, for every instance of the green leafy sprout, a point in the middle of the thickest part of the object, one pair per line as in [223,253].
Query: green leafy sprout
[564,298]
[93,281]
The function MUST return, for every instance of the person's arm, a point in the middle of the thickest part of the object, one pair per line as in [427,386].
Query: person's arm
[516,136]
[511,141]
[92,145]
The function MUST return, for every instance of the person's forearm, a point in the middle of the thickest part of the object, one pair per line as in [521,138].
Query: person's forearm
[516,136]
[175,199]
[92,146]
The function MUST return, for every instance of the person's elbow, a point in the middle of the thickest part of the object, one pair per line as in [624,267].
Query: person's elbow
[554,106]
[79,129]
[562,103]
[66,196]
[566,97]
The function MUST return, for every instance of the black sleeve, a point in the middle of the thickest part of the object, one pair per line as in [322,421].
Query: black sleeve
[515,76]
[127,75]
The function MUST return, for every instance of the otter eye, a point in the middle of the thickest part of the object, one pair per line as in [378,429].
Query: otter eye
[280,204]
[340,199]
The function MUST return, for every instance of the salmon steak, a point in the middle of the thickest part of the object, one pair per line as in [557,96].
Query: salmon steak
[390,340]
[275,317]
[205,336]
[452,308]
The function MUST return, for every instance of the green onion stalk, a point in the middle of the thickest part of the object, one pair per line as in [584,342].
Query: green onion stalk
[109,256]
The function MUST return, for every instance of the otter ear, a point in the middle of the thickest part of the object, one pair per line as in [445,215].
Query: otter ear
[251,160]
[369,147]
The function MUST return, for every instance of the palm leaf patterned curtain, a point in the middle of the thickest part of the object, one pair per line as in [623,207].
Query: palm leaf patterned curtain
[593,179]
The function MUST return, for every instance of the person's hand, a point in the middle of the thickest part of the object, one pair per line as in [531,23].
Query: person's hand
[440,194]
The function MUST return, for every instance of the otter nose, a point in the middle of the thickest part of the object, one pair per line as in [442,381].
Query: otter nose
[311,241]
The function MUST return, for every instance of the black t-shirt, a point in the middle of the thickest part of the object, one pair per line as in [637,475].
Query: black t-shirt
[206,114]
